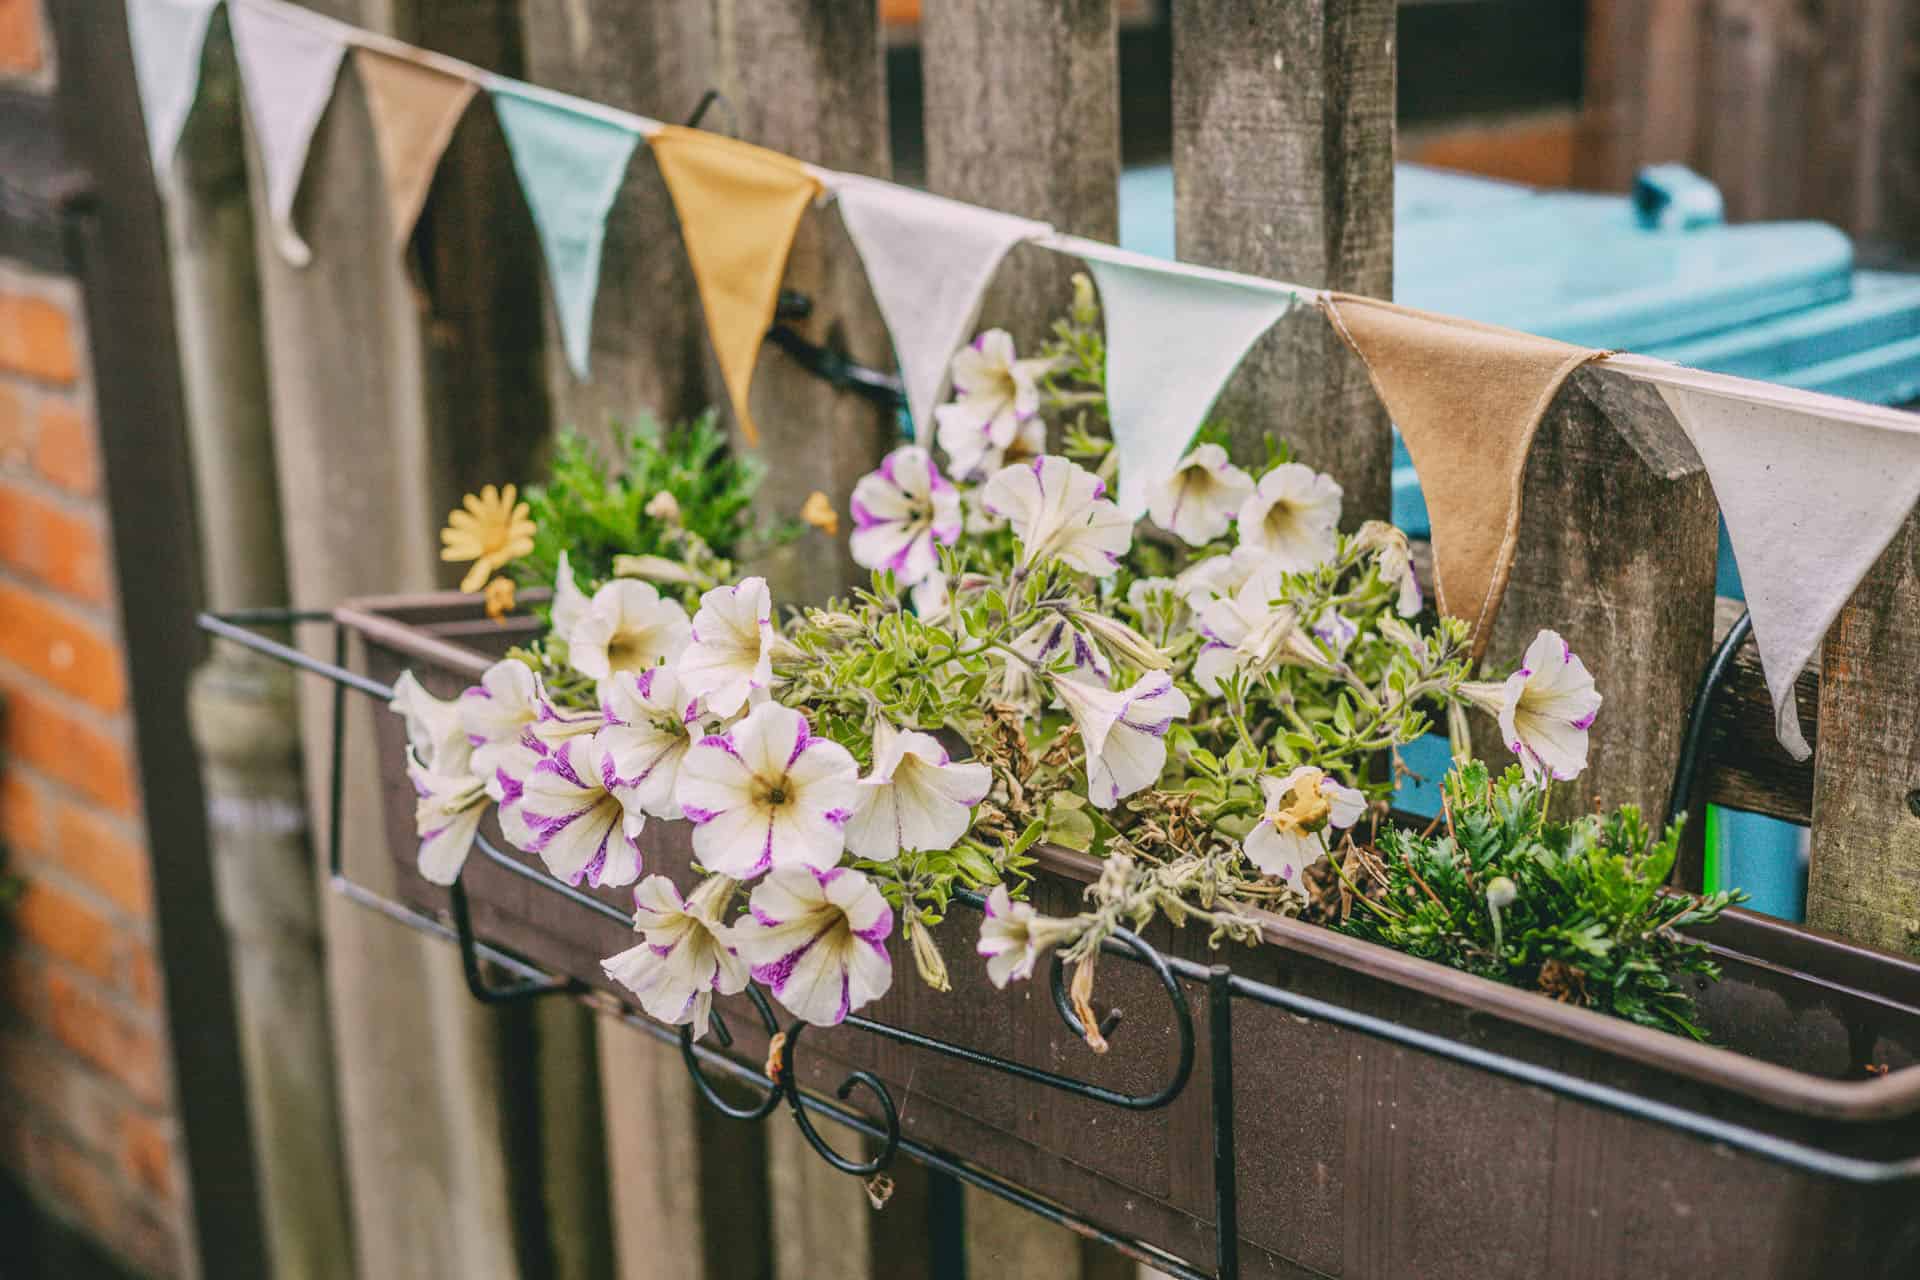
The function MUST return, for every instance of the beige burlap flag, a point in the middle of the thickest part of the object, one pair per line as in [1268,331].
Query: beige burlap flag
[1467,398]
[414,110]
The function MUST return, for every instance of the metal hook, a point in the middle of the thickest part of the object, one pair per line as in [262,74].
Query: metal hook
[889,1143]
[709,99]
[470,962]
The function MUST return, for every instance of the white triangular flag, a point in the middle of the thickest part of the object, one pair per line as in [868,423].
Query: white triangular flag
[1174,335]
[168,37]
[1810,502]
[929,260]
[287,70]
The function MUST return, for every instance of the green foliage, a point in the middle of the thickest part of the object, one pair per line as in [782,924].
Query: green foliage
[594,513]
[1585,919]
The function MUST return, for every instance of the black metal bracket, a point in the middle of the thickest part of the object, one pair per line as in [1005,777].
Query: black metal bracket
[1221,985]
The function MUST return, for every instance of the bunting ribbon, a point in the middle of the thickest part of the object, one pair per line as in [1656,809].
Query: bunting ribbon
[1467,398]
[1813,487]
[739,208]
[168,38]
[929,261]
[414,111]
[1175,334]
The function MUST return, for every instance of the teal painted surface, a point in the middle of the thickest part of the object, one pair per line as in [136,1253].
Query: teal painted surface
[1654,271]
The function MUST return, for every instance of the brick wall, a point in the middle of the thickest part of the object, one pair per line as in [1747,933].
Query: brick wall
[87,1119]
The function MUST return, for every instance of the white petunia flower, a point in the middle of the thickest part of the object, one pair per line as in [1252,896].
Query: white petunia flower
[1291,833]
[1198,501]
[446,815]
[1247,632]
[1013,937]
[1203,580]
[686,953]
[766,793]
[434,731]
[1335,630]
[629,626]
[915,797]
[570,603]
[651,723]
[1049,640]
[1394,556]
[1059,511]
[996,406]
[932,599]
[900,511]
[496,713]
[560,809]
[1545,708]
[1292,517]
[817,940]
[731,656]
[1124,731]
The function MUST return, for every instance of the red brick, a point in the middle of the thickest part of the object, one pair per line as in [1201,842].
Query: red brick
[34,1071]
[21,51]
[18,422]
[23,817]
[71,929]
[107,1037]
[40,733]
[36,337]
[70,653]
[91,849]
[146,1153]
[64,550]
[142,977]
[65,449]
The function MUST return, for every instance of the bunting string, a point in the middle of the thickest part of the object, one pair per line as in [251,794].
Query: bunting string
[1175,331]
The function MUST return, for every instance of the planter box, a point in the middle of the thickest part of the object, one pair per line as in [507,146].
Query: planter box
[1356,1157]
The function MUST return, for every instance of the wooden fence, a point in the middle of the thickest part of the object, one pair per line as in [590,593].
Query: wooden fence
[548,1142]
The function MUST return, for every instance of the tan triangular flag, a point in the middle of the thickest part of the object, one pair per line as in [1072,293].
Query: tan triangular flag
[739,206]
[1467,398]
[415,110]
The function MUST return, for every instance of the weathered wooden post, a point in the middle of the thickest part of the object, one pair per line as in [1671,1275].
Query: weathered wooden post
[371,444]
[1283,167]
[244,720]
[1863,882]
[1023,115]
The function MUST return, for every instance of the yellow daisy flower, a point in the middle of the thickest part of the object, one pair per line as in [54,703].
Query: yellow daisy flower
[491,531]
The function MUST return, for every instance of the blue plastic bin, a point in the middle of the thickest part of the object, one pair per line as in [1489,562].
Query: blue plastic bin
[1657,271]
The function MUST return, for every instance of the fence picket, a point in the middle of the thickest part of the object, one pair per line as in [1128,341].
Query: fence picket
[1643,623]
[809,80]
[1864,880]
[1283,166]
[1022,114]
[380,412]
[649,334]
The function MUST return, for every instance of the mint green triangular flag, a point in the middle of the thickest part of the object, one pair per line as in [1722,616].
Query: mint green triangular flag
[570,168]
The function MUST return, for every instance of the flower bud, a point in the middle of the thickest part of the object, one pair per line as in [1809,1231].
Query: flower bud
[1121,640]
[926,957]
[1501,892]
[653,568]
[664,506]
[1085,311]
[818,511]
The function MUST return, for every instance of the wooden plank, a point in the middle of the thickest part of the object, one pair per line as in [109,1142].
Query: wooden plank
[1742,764]
[689,1197]
[1620,561]
[1864,881]
[243,706]
[1643,88]
[382,411]
[1283,128]
[810,80]
[1022,114]
[649,338]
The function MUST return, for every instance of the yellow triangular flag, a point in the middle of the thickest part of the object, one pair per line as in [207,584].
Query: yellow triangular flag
[1467,398]
[739,207]
[414,110]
